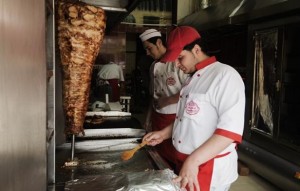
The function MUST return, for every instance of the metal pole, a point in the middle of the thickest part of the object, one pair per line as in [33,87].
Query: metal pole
[72,147]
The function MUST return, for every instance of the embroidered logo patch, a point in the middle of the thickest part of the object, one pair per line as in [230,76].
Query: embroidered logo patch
[171,81]
[192,108]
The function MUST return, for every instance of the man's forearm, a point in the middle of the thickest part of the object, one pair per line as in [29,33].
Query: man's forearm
[210,149]
[167,131]
[174,98]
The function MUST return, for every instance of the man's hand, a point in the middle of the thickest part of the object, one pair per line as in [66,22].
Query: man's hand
[161,102]
[188,176]
[164,101]
[153,138]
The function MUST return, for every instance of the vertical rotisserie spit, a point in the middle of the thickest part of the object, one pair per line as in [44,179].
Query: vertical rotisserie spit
[81,29]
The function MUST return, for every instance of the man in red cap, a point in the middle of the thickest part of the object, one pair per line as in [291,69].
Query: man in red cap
[210,115]
[166,80]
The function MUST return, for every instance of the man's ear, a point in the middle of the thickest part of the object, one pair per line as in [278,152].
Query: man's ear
[197,49]
[158,42]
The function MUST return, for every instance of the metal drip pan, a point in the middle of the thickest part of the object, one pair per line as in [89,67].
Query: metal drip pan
[112,133]
[101,145]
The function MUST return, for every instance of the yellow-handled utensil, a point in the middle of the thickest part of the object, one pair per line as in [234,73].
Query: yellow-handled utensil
[126,155]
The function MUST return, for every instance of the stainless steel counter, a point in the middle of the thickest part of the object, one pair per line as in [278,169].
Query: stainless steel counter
[102,159]
[98,154]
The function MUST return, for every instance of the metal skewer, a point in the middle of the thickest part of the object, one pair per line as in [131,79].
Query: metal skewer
[72,147]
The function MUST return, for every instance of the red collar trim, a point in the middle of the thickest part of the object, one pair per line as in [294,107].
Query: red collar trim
[206,62]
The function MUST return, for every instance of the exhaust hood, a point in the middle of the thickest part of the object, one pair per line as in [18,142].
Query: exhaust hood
[116,10]
[226,13]
[109,5]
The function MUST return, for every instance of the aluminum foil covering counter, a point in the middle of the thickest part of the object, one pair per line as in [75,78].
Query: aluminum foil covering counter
[100,167]
[97,164]
[153,180]
[158,180]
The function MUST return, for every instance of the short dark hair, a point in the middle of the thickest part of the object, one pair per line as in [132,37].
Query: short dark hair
[201,42]
[153,40]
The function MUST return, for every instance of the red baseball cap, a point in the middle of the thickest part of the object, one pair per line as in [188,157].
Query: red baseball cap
[177,39]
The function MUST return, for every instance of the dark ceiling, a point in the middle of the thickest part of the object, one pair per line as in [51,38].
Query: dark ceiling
[115,17]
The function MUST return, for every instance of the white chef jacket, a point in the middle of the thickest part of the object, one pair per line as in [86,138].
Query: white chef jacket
[211,102]
[166,80]
[111,71]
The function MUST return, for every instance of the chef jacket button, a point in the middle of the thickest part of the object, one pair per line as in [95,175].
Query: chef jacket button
[179,141]
[198,75]
[180,96]
[179,119]
[176,117]
[187,96]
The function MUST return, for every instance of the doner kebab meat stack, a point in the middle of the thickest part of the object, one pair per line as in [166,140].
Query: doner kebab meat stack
[81,29]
